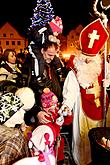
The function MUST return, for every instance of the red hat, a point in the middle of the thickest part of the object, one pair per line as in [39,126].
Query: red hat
[56,25]
[93,38]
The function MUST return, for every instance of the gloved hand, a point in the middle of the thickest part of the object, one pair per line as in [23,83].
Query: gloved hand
[60,120]
[106,83]
[64,110]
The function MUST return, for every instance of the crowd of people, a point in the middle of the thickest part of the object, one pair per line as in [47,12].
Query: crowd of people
[41,68]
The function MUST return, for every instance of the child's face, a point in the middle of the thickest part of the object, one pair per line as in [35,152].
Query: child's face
[50,103]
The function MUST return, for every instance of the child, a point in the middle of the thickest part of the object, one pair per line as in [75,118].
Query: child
[57,118]
[43,143]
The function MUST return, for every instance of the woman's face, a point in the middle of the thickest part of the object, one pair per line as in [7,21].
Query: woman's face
[12,58]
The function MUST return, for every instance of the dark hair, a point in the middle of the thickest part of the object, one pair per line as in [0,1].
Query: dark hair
[21,56]
[6,53]
[35,36]
[49,44]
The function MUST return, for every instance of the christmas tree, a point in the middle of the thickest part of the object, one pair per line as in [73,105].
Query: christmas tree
[43,13]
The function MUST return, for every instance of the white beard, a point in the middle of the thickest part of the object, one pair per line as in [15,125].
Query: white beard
[87,72]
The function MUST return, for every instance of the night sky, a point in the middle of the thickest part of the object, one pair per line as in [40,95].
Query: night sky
[19,12]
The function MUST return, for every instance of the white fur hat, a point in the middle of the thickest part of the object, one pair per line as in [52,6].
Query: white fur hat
[27,97]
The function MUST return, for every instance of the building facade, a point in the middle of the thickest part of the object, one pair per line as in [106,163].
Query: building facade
[11,39]
[73,40]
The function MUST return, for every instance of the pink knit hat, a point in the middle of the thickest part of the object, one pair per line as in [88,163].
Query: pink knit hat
[48,99]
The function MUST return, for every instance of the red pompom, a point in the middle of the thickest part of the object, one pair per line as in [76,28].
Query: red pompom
[46,136]
[41,157]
